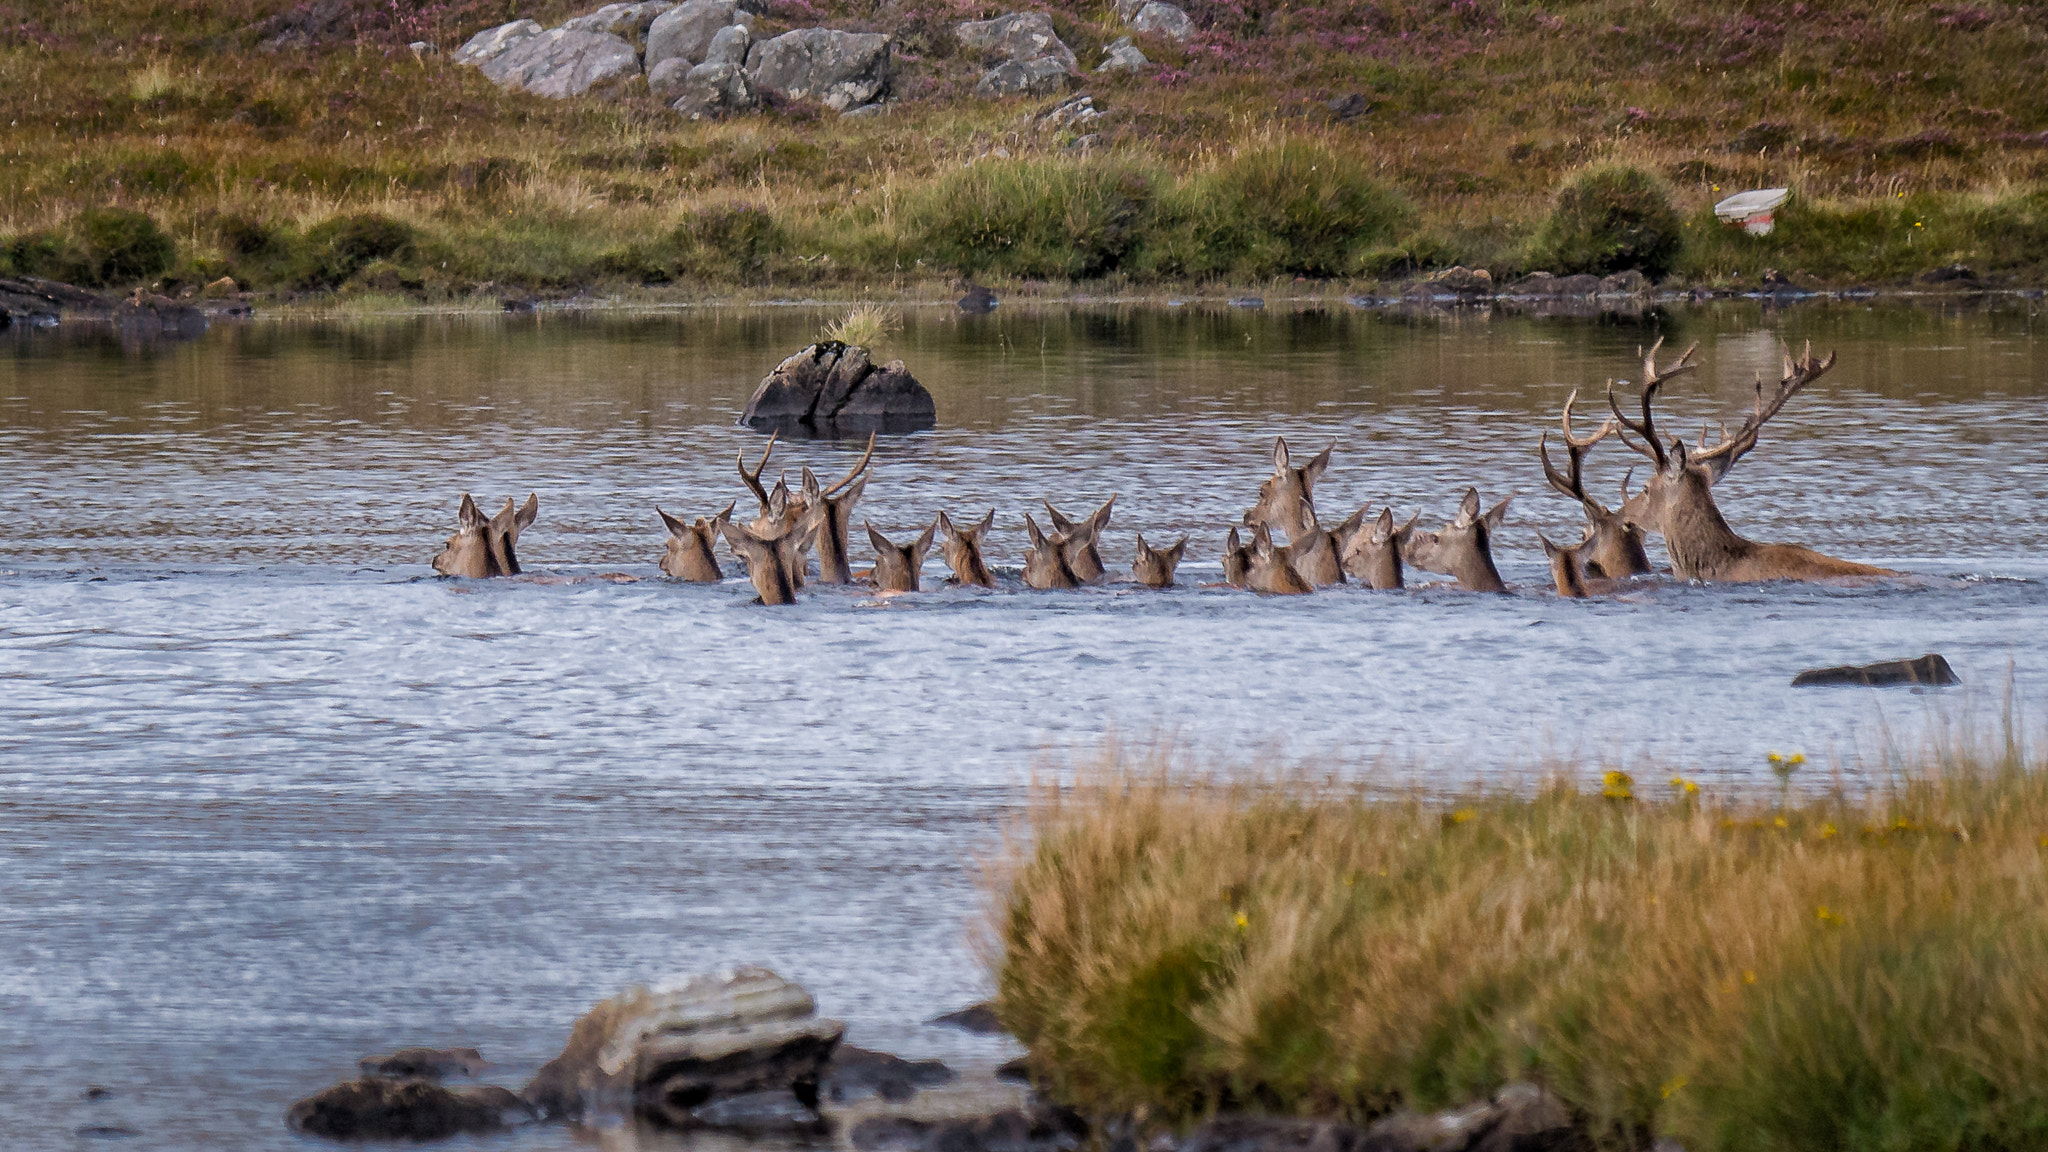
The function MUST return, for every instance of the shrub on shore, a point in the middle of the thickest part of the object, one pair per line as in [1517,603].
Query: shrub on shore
[1610,219]
[1033,218]
[1810,974]
[1291,208]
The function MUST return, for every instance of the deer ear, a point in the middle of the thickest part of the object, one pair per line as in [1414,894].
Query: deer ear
[1383,528]
[1031,530]
[1059,523]
[1549,549]
[945,525]
[852,494]
[1498,515]
[469,514]
[810,482]
[1468,509]
[1314,469]
[1178,550]
[1235,544]
[503,522]
[1101,517]
[987,522]
[1142,546]
[880,541]
[675,527]
[924,539]
[1280,458]
[725,513]
[527,512]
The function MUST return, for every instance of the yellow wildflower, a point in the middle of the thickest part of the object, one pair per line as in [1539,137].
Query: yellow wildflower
[1618,786]
[1673,1086]
[1463,814]
[1826,830]
[1827,917]
[1780,822]
[1243,922]
[1748,976]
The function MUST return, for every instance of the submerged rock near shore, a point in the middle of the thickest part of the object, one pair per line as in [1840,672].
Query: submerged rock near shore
[831,390]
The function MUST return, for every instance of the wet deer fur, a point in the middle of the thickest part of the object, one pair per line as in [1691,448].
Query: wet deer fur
[897,566]
[1237,561]
[1678,498]
[1272,570]
[774,559]
[486,546]
[961,549]
[1082,538]
[688,555]
[1373,555]
[1462,549]
[836,518]
[1287,505]
[1611,546]
[1154,567]
[1045,565]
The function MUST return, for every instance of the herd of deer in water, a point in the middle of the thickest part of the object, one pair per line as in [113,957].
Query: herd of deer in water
[1675,502]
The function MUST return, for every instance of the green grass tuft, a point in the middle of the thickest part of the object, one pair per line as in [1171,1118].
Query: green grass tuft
[1611,218]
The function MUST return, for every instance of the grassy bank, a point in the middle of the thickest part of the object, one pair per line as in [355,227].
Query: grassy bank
[158,141]
[1778,972]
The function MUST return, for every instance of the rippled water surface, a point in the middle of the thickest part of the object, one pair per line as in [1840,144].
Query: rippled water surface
[272,797]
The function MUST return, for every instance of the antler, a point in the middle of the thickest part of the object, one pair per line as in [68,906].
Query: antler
[857,468]
[1653,379]
[1575,446]
[1798,374]
[753,478]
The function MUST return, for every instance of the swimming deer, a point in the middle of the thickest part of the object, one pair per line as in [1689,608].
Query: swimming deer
[1611,547]
[773,559]
[1462,549]
[1154,567]
[1567,568]
[484,547]
[1237,562]
[1373,555]
[689,556]
[780,511]
[837,503]
[1046,566]
[1082,537]
[961,548]
[1272,567]
[897,567]
[1287,504]
[1679,501]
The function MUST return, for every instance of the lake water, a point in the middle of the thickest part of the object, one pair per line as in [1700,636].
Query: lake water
[273,798]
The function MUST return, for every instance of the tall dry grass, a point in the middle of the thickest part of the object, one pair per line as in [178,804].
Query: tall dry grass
[1775,972]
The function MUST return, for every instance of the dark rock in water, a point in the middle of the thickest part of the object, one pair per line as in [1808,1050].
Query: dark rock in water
[517,303]
[374,1108]
[978,298]
[1044,1129]
[148,315]
[1582,284]
[977,1018]
[1248,302]
[32,299]
[106,1132]
[1629,283]
[856,1073]
[1272,1134]
[776,1110]
[831,390]
[1929,669]
[425,1063]
[1953,274]
[1018,1070]
[1519,1118]
[96,1092]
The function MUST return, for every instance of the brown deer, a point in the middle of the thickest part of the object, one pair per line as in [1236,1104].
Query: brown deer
[1678,498]
[1046,566]
[775,559]
[484,547]
[1237,562]
[1154,567]
[837,503]
[1568,568]
[689,556]
[780,511]
[1373,555]
[1287,505]
[1462,549]
[1082,537]
[1612,547]
[897,567]
[961,548]
[1272,567]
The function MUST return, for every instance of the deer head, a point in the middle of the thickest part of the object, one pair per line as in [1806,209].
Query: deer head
[486,547]
[1045,565]
[1272,568]
[1373,554]
[837,504]
[1463,548]
[961,548]
[1567,569]
[897,568]
[689,556]
[1613,547]
[773,560]
[1287,499]
[1237,562]
[1154,567]
[1082,537]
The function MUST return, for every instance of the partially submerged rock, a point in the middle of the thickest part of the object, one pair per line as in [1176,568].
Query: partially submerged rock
[980,1019]
[425,1063]
[1930,670]
[832,389]
[1043,1129]
[1519,1118]
[729,1049]
[857,1073]
[380,1108]
[840,70]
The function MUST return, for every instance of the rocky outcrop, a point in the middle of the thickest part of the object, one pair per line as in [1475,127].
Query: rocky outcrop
[686,31]
[492,43]
[840,70]
[741,1048]
[712,90]
[380,1108]
[626,21]
[1041,77]
[1017,36]
[831,389]
[1929,670]
[1122,56]
[149,315]
[1073,114]
[1155,17]
[563,62]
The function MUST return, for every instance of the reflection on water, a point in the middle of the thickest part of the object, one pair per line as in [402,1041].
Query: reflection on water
[271,798]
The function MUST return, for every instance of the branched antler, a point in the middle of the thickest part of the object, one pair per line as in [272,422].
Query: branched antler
[753,478]
[1653,379]
[1574,485]
[1797,374]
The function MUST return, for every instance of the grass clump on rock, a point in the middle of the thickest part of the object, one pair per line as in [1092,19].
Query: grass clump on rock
[1784,974]
[1611,219]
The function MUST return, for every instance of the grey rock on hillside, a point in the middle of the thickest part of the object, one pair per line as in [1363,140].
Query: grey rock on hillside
[1017,36]
[714,89]
[563,62]
[1041,77]
[1122,56]
[1163,20]
[840,70]
[730,46]
[627,21]
[686,31]
[491,43]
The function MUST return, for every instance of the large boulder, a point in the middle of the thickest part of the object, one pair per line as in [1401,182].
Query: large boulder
[626,21]
[1930,669]
[1166,20]
[1017,36]
[840,70]
[730,46]
[491,43]
[379,1108]
[686,31]
[831,389]
[563,62]
[1122,56]
[730,1048]
[425,1063]
[1041,77]
[714,90]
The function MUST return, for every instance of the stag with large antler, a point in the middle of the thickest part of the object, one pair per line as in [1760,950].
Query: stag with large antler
[1678,501]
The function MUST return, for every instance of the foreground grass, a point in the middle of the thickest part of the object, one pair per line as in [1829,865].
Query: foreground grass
[1913,136]
[1816,973]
